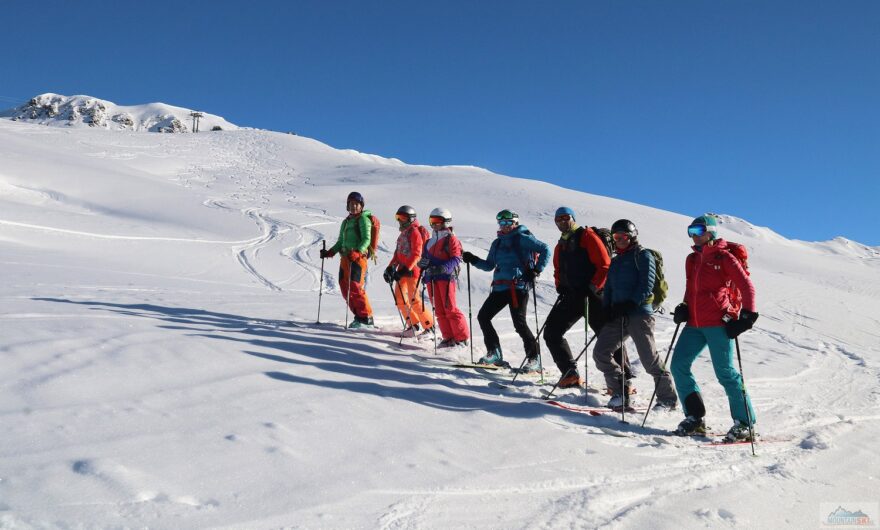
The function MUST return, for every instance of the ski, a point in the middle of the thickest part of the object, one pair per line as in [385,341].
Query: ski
[592,411]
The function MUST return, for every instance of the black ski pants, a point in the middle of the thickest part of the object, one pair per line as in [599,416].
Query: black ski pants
[567,313]
[496,301]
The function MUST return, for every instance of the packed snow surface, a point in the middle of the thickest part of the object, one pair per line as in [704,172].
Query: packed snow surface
[162,367]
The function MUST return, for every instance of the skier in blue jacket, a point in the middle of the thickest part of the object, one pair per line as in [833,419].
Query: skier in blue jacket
[517,258]
[627,301]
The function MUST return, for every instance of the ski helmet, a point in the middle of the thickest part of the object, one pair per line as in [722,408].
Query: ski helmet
[625,226]
[441,213]
[355,197]
[507,215]
[709,221]
[564,210]
[407,210]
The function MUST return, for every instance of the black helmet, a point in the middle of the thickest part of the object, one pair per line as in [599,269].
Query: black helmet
[407,210]
[625,226]
[355,197]
[507,214]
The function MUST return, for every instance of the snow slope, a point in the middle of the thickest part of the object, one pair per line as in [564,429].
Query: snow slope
[161,368]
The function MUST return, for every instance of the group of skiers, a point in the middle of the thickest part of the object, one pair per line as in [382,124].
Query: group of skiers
[616,296]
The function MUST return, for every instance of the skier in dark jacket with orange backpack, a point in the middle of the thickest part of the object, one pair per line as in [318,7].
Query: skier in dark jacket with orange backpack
[715,281]
[580,265]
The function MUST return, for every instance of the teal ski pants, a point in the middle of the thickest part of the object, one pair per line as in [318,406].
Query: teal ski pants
[690,345]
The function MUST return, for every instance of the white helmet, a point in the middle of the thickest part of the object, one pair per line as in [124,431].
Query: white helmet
[443,213]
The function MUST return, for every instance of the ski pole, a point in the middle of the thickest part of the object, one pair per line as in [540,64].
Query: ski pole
[538,337]
[470,315]
[558,299]
[394,298]
[433,316]
[586,345]
[745,398]
[578,358]
[623,395]
[665,362]
[321,288]
[348,295]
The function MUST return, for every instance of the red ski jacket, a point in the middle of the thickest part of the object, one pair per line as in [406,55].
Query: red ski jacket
[712,273]
[409,248]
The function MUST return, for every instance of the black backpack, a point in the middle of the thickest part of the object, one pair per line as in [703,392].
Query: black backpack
[605,235]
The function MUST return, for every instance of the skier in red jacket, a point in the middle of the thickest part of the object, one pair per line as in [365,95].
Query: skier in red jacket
[713,320]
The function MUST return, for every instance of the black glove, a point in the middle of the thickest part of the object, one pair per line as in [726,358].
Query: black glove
[402,273]
[388,274]
[596,291]
[424,262]
[529,275]
[681,313]
[435,270]
[467,257]
[621,309]
[744,323]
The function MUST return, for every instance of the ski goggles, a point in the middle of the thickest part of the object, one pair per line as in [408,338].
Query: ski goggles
[436,220]
[505,222]
[697,230]
[564,218]
[621,236]
[402,217]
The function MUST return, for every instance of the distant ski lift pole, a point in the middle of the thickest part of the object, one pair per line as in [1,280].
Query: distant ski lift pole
[195,116]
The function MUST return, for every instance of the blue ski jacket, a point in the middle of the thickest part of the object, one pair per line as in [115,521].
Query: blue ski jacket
[509,257]
[629,281]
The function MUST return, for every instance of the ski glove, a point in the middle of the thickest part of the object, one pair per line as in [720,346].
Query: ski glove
[467,257]
[596,291]
[388,275]
[681,313]
[424,262]
[327,254]
[402,273]
[530,275]
[744,323]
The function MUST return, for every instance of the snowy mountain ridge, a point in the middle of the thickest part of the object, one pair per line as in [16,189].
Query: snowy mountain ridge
[87,111]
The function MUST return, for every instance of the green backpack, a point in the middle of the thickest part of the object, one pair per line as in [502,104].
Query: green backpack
[661,288]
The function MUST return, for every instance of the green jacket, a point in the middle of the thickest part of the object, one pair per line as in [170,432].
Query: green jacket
[354,234]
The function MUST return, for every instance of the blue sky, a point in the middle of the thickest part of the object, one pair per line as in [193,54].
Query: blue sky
[765,110]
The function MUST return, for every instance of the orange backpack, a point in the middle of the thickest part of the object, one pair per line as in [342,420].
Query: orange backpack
[742,255]
[375,225]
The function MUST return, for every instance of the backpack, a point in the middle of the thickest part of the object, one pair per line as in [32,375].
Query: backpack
[605,235]
[374,237]
[425,234]
[531,260]
[661,287]
[739,252]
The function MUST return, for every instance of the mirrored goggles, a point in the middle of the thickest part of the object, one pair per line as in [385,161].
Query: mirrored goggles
[436,220]
[402,217]
[697,230]
[505,222]
[621,236]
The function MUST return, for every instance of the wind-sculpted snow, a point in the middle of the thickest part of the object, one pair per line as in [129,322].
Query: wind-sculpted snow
[162,368]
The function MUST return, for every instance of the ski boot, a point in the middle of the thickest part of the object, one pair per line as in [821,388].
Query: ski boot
[494,356]
[691,426]
[738,433]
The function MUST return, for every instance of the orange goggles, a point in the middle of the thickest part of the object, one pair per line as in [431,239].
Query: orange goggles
[436,220]
[621,236]
[402,217]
